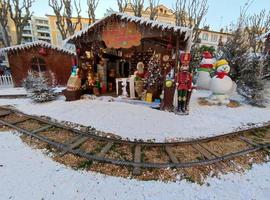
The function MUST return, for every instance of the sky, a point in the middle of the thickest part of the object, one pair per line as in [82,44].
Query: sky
[220,14]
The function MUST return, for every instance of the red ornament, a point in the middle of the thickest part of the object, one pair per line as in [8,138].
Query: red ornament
[42,52]
[169,46]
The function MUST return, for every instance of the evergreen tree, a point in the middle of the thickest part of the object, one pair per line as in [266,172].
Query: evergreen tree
[235,51]
[154,78]
[251,84]
[38,88]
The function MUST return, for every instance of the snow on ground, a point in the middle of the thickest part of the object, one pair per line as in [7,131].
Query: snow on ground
[12,91]
[29,174]
[141,122]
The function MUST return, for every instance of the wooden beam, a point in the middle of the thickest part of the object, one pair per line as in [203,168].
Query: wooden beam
[137,159]
[173,158]
[105,149]
[42,128]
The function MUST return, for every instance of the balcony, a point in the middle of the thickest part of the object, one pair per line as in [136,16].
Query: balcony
[44,37]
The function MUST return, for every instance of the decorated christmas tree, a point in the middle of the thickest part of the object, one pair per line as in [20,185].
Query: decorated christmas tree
[38,88]
[154,75]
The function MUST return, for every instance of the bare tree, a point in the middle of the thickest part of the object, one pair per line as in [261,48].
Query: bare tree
[137,7]
[256,25]
[63,11]
[153,6]
[4,7]
[20,14]
[92,6]
[122,5]
[190,13]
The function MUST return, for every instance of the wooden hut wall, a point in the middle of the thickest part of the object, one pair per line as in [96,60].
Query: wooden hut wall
[56,62]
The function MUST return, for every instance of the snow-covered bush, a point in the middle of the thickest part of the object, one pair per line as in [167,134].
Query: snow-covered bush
[251,84]
[37,86]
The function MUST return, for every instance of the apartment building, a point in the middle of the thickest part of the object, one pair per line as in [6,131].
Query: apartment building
[37,29]
[207,37]
[56,37]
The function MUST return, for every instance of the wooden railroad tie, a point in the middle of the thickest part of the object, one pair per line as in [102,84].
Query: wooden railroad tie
[4,113]
[248,141]
[207,153]
[75,143]
[137,159]
[173,158]
[42,129]
[20,120]
[105,149]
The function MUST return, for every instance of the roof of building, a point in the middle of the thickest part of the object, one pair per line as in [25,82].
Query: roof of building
[38,43]
[138,20]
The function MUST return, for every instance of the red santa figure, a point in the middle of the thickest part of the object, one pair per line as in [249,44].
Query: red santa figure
[184,84]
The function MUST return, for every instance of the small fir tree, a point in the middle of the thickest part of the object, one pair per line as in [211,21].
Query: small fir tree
[251,84]
[235,51]
[38,88]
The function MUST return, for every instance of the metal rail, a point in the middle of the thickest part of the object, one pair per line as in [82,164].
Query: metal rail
[73,145]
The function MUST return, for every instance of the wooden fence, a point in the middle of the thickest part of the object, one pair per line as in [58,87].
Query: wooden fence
[6,81]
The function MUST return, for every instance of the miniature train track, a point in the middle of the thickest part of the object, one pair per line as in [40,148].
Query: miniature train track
[205,151]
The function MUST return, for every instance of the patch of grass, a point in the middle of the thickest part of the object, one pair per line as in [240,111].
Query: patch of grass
[85,164]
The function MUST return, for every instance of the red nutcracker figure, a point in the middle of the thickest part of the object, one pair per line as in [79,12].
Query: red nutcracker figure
[184,82]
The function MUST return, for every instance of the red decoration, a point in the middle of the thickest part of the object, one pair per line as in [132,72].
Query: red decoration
[221,75]
[117,35]
[169,46]
[42,52]
[207,55]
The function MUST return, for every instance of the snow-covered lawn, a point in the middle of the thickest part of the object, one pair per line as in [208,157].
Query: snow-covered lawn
[12,91]
[29,174]
[141,122]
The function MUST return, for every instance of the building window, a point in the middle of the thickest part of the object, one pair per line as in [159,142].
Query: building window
[205,36]
[38,65]
[214,38]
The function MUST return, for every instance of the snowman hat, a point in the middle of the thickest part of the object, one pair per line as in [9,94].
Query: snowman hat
[207,55]
[221,63]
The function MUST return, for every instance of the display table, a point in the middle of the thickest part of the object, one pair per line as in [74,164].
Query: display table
[126,81]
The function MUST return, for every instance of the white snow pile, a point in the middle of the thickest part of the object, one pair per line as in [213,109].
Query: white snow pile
[141,122]
[12,91]
[39,43]
[29,174]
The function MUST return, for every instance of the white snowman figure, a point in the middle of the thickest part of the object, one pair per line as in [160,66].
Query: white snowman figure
[206,65]
[221,85]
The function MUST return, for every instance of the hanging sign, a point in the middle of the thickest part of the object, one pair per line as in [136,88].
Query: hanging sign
[121,35]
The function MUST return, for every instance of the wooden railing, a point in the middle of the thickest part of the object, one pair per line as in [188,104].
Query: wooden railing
[6,81]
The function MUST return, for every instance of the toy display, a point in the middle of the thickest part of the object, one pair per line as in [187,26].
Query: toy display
[184,84]
[221,84]
[139,79]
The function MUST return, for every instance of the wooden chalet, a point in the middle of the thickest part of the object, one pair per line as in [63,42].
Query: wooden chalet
[118,42]
[40,57]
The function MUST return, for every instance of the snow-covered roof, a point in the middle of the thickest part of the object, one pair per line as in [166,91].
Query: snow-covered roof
[38,43]
[138,20]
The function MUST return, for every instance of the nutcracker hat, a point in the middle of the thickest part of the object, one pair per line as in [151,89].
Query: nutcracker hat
[220,63]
